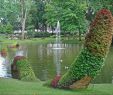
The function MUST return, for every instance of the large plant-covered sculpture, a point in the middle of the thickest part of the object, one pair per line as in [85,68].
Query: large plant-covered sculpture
[91,59]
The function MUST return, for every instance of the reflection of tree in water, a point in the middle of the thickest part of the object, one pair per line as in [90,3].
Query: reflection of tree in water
[57,60]
[21,51]
[43,74]
[5,70]
[112,77]
[39,60]
[42,53]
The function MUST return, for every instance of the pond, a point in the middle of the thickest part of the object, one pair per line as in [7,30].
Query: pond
[42,59]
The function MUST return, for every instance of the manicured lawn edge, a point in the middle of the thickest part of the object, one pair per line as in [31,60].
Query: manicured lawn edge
[16,87]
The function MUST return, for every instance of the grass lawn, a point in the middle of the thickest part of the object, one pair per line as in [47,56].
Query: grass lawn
[5,40]
[16,87]
[34,40]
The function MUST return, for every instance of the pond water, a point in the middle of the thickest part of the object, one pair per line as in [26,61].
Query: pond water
[41,57]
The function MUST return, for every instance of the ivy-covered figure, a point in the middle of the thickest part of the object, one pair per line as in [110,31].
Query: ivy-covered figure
[91,58]
[21,68]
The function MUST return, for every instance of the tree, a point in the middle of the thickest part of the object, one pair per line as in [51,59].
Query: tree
[8,28]
[37,15]
[100,4]
[9,11]
[25,6]
[71,15]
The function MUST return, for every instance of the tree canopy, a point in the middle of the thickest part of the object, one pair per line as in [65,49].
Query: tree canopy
[45,13]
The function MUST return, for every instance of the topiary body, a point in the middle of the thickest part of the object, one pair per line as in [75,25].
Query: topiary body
[91,59]
[24,70]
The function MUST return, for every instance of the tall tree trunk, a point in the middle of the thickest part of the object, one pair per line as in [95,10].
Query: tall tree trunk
[79,34]
[23,26]
[23,18]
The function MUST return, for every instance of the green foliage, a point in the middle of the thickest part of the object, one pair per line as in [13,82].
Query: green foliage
[25,70]
[69,13]
[2,28]
[9,28]
[6,28]
[9,11]
[96,46]
[99,4]
[43,13]
[86,64]
[30,31]
[96,5]
[36,15]
[42,34]
[99,38]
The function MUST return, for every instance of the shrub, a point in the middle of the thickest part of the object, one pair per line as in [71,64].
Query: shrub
[42,34]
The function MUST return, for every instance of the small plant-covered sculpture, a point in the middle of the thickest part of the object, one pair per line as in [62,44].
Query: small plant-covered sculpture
[25,71]
[21,68]
[91,59]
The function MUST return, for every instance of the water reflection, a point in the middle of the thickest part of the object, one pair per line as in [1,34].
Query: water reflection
[57,50]
[106,74]
[112,79]
[41,56]
[5,67]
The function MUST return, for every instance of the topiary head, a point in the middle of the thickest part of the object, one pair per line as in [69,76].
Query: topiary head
[102,16]
[100,33]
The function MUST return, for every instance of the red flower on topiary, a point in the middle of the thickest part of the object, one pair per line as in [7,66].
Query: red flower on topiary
[102,14]
[105,12]
[55,81]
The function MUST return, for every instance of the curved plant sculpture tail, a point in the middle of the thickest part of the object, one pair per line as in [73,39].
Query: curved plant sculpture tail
[91,59]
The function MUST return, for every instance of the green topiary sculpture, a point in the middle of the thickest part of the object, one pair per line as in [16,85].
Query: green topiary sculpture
[25,71]
[22,70]
[91,59]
